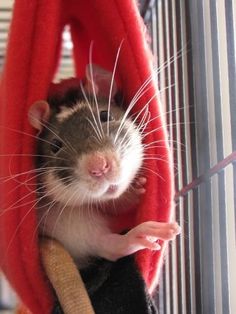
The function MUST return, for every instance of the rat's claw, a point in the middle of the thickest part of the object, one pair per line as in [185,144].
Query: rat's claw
[141,180]
[140,191]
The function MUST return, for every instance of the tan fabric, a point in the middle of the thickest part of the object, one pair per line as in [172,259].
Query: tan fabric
[65,278]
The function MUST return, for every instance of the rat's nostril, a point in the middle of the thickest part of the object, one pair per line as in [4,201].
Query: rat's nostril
[98,166]
[99,171]
[96,173]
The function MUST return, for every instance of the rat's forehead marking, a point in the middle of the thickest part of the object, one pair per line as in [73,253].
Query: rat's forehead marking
[66,112]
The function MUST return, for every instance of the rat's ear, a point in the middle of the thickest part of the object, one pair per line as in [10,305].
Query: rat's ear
[39,114]
[101,80]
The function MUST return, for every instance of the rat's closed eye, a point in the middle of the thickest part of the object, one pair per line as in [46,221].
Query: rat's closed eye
[105,116]
[56,145]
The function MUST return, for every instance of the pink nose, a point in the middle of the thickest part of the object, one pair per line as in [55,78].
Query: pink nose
[98,165]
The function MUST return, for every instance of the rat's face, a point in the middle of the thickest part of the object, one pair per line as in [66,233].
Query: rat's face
[89,153]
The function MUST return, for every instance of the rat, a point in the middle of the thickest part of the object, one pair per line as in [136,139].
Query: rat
[88,167]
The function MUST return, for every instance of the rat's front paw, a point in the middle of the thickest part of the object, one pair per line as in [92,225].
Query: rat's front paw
[138,185]
[146,235]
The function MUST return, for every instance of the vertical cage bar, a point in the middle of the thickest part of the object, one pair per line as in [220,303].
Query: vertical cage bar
[206,89]
[230,18]
[223,243]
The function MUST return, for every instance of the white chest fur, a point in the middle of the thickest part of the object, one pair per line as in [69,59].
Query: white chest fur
[80,230]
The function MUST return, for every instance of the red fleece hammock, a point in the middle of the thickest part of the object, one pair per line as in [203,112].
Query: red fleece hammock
[31,62]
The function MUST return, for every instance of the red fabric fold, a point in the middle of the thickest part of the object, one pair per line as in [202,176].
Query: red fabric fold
[32,57]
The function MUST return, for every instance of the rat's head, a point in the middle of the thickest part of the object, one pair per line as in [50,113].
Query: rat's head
[89,150]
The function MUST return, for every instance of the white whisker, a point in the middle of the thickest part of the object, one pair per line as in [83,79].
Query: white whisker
[112,83]
[98,131]
[93,86]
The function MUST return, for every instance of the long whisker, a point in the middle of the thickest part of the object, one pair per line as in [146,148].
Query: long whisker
[63,208]
[58,136]
[112,83]
[145,107]
[98,131]
[79,209]
[90,122]
[146,116]
[51,203]
[149,145]
[152,171]
[93,85]
[40,170]
[160,127]
[142,90]
[31,155]
[17,229]
[51,128]
[28,134]
[166,113]
[49,206]
[23,133]
[19,201]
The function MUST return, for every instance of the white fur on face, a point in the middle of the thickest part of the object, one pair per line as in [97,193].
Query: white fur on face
[85,189]
[80,192]
[66,112]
